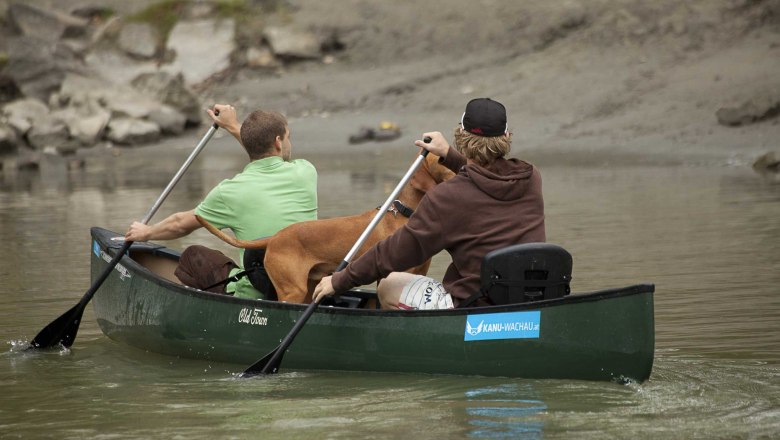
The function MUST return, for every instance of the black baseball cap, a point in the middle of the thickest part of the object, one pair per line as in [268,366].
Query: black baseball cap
[485,117]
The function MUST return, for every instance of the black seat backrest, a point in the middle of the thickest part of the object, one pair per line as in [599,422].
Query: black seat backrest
[526,272]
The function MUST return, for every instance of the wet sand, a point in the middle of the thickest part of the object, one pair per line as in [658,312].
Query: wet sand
[608,80]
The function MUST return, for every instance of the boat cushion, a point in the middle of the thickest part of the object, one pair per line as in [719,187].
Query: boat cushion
[203,268]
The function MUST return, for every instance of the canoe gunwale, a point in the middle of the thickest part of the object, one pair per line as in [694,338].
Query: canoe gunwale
[102,236]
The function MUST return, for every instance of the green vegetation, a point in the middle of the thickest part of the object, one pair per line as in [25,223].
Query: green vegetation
[237,9]
[250,17]
[163,15]
[103,14]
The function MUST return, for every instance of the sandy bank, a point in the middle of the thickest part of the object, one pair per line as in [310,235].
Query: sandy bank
[610,77]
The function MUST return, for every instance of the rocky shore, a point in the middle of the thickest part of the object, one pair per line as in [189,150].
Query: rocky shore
[687,79]
[86,76]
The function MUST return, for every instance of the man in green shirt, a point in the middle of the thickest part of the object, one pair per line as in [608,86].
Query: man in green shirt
[271,193]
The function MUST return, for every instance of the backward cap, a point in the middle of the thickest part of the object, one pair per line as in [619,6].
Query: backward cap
[485,117]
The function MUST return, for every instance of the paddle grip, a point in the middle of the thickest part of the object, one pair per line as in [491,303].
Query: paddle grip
[427,140]
[214,125]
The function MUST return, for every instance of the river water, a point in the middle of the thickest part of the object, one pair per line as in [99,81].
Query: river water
[706,235]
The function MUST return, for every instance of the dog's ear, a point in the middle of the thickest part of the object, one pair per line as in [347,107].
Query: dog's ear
[430,174]
[422,180]
[439,173]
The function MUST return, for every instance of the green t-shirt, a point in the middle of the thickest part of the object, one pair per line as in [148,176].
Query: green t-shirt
[267,196]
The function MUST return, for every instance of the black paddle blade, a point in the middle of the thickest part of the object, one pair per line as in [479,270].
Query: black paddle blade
[61,331]
[264,365]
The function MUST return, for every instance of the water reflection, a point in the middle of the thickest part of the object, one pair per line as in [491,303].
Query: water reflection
[500,412]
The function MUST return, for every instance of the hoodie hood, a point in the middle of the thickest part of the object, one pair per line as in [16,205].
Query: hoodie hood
[505,179]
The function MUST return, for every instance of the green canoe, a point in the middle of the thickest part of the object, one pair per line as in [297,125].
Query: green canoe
[605,335]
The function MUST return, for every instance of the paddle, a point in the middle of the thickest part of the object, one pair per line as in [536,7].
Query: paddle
[63,329]
[269,364]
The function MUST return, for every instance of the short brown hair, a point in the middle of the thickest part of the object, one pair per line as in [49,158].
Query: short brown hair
[259,131]
[481,149]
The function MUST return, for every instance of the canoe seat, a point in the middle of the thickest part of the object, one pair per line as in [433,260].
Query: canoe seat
[526,272]
[344,301]
[354,299]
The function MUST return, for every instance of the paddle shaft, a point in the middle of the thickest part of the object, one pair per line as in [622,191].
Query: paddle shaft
[152,211]
[201,145]
[269,364]
[63,329]
[382,210]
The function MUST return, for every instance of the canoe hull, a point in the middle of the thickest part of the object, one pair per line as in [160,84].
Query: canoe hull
[606,335]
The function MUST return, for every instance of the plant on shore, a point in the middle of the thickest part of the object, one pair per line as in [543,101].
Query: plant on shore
[250,16]
[162,16]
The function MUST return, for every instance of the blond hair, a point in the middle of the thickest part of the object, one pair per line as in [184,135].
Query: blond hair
[482,150]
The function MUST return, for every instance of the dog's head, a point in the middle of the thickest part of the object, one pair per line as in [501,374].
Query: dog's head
[430,174]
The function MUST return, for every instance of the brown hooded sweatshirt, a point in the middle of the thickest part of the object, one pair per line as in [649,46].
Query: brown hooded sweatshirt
[477,211]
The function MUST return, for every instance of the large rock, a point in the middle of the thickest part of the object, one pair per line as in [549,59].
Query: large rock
[128,115]
[202,48]
[45,24]
[171,89]
[89,130]
[260,57]
[131,104]
[757,109]
[138,40]
[38,66]
[21,114]
[291,43]
[119,100]
[170,120]
[86,128]
[129,131]
[116,66]
[48,131]
[83,92]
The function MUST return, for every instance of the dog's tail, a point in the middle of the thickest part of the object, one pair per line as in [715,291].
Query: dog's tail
[260,243]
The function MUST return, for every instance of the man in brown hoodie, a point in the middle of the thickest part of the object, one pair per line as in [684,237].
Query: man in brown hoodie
[492,202]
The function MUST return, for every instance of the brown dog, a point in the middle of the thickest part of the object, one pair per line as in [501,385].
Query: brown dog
[298,256]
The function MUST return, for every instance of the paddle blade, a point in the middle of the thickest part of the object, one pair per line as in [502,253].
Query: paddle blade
[62,330]
[266,365]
